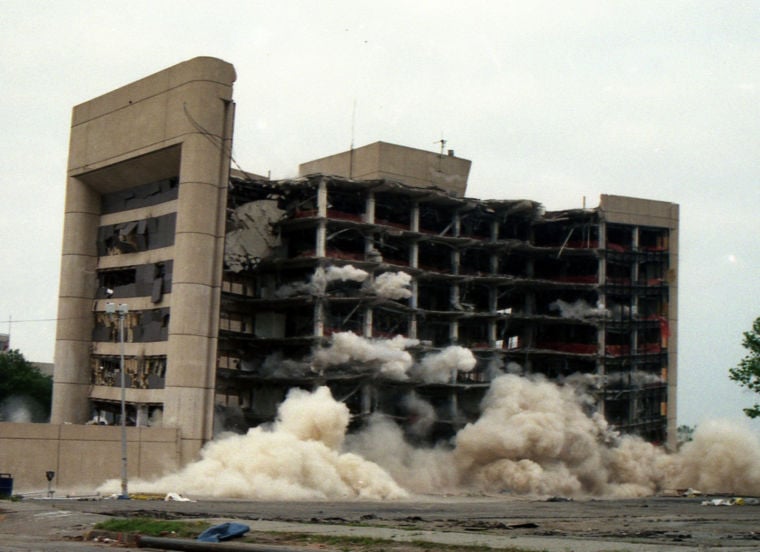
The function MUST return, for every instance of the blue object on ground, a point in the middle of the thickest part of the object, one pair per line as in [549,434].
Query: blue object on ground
[223,532]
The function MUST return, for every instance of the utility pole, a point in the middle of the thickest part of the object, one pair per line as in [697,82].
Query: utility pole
[122,311]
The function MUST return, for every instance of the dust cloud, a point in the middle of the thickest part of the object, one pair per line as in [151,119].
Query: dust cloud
[533,437]
[298,458]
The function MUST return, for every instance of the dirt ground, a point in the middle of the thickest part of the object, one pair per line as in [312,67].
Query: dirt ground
[503,522]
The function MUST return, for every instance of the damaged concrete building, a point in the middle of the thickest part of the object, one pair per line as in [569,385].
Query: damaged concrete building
[371,273]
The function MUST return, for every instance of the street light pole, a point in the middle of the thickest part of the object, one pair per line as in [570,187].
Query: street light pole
[123,309]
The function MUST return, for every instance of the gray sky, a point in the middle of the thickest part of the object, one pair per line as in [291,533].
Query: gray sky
[552,101]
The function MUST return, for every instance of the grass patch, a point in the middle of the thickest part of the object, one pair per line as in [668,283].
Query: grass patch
[191,529]
[154,527]
[363,544]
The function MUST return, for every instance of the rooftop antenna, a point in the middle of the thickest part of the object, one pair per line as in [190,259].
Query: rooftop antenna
[443,142]
[351,149]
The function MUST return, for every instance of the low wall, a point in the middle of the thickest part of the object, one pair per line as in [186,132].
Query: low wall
[83,456]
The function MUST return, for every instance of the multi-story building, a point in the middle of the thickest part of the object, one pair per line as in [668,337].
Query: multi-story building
[238,288]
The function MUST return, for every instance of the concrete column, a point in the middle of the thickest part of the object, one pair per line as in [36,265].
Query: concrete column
[369,208]
[196,285]
[71,379]
[601,331]
[414,222]
[321,246]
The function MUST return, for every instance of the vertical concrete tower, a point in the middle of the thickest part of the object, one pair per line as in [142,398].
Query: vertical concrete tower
[144,226]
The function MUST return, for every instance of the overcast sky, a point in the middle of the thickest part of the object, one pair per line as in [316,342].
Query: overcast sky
[552,101]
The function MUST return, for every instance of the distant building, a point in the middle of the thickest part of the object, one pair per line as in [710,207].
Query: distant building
[237,286]
[5,342]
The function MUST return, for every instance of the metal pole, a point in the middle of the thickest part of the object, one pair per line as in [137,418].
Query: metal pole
[124,493]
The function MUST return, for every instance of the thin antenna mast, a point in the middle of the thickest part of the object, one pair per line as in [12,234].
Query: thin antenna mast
[442,141]
[351,149]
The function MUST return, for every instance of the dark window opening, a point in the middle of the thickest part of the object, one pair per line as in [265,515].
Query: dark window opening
[475,261]
[392,210]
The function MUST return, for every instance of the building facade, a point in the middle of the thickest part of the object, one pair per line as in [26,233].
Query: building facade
[238,288]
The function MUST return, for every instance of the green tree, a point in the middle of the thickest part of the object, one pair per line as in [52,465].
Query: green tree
[747,373]
[23,388]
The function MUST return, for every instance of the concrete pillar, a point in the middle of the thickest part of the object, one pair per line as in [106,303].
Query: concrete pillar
[71,379]
[321,246]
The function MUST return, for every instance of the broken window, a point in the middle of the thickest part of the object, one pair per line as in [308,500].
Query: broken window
[134,236]
[140,196]
[139,326]
[152,280]
[139,372]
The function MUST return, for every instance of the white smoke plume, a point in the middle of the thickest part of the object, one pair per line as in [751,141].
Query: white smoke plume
[392,285]
[635,378]
[441,367]
[388,355]
[317,284]
[298,458]
[578,309]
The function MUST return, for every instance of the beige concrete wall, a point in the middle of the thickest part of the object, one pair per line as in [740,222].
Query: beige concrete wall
[175,123]
[83,456]
[411,166]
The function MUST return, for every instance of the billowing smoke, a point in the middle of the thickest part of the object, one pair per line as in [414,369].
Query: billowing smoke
[317,284]
[441,367]
[389,355]
[421,415]
[297,458]
[533,436]
[392,285]
[578,309]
